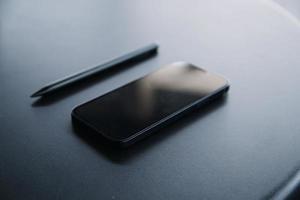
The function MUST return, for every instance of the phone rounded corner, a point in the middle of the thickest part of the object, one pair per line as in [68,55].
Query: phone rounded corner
[126,142]
[227,84]
[74,112]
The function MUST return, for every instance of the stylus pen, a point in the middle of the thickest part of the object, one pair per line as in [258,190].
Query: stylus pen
[135,55]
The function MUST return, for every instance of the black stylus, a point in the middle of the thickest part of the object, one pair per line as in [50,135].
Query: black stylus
[124,59]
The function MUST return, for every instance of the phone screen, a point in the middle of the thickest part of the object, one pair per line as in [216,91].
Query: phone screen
[145,102]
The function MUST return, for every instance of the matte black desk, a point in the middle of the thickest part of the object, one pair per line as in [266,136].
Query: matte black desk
[244,147]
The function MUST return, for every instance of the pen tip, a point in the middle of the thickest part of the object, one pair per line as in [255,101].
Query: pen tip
[34,95]
[40,92]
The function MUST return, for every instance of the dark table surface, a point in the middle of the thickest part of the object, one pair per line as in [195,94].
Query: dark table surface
[242,147]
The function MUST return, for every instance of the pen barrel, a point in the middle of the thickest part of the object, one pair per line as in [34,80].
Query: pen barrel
[125,59]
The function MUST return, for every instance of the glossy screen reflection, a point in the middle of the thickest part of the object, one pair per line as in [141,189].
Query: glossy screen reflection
[139,104]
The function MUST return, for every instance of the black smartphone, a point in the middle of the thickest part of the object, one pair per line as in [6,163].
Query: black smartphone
[133,111]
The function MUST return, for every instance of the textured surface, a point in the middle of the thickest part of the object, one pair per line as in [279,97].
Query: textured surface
[241,148]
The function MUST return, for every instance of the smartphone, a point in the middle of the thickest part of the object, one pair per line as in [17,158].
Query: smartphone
[139,108]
